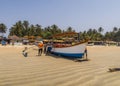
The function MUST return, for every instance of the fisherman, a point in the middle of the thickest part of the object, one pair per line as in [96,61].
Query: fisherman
[40,46]
[48,48]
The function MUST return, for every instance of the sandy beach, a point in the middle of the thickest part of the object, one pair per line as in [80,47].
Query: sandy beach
[17,70]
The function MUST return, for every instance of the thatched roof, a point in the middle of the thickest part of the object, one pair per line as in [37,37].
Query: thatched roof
[14,37]
[65,34]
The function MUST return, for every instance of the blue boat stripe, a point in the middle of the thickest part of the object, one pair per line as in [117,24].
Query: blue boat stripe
[74,55]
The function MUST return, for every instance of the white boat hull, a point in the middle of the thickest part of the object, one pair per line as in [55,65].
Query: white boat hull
[76,51]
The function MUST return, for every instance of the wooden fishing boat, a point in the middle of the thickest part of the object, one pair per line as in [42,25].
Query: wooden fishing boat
[76,50]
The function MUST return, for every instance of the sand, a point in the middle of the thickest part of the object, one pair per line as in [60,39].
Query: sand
[16,70]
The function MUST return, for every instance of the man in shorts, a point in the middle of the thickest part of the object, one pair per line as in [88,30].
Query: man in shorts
[40,48]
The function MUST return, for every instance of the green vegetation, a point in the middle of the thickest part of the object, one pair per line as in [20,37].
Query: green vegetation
[23,28]
[3,28]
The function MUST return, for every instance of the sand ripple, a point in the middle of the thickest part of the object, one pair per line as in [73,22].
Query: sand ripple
[16,70]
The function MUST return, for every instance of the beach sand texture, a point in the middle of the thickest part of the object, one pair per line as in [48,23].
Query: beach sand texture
[16,70]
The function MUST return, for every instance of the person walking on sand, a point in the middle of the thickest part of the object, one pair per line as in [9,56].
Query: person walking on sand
[40,48]
[85,52]
[48,48]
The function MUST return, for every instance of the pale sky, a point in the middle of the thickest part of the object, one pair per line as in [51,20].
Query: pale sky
[79,14]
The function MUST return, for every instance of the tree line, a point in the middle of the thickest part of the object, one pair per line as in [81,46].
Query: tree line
[24,28]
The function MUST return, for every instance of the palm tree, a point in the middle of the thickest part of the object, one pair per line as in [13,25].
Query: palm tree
[117,36]
[38,30]
[115,29]
[3,28]
[17,29]
[100,29]
[69,29]
[55,29]
[108,36]
[32,30]
[12,31]
[89,32]
[25,27]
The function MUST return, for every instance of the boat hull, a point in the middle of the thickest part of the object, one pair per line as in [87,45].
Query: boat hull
[76,51]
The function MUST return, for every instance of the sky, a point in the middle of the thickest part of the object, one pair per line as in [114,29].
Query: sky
[79,14]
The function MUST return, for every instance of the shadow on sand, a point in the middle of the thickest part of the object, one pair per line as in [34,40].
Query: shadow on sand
[114,69]
[82,60]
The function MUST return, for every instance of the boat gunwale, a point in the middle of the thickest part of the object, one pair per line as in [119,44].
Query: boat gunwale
[71,45]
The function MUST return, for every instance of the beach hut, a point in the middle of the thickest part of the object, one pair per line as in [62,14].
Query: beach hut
[4,40]
[91,43]
[14,38]
[111,43]
[25,40]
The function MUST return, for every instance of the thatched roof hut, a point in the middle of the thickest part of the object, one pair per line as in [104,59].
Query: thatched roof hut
[14,38]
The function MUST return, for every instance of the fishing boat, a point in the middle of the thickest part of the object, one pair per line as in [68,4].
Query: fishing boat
[76,50]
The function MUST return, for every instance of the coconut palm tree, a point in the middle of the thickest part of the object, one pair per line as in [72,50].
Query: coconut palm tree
[25,27]
[69,29]
[55,29]
[115,29]
[32,30]
[17,29]
[100,29]
[117,36]
[38,30]
[3,28]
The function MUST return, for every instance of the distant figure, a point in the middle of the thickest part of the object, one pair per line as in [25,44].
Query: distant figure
[85,52]
[45,46]
[25,52]
[40,46]
[3,42]
[12,42]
